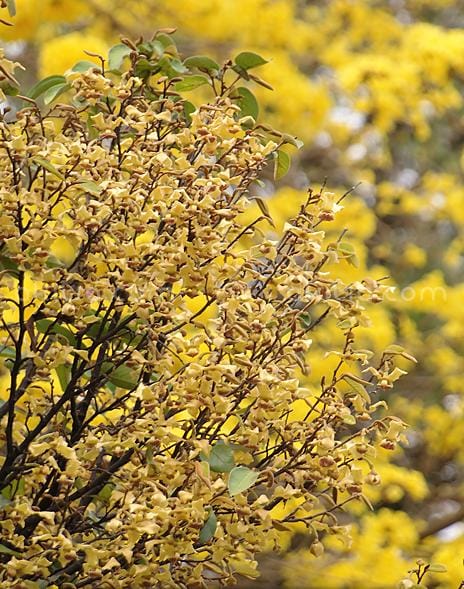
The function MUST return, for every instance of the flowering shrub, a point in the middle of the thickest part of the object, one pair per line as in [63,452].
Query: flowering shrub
[153,342]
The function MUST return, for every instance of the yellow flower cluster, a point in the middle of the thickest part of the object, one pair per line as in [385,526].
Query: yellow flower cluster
[153,344]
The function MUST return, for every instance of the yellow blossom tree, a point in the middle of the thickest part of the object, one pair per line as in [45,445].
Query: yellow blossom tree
[145,442]
[374,89]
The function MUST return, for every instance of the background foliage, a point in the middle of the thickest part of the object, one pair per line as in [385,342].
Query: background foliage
[374,89]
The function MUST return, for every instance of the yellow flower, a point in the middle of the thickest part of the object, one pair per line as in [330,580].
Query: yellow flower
[62,10]
[25,22]
[60,54]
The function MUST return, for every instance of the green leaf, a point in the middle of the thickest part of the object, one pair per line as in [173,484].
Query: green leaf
[83,66]
[189,108]
[282,164]
[5,550]
[248,103]
[357,387]
[165,40]
[52,93]
[97,329]
[221,457]
[202,62]
[146,48]
[248,60]
[40,161]
[305,320]
[349,253]
[4,501]
[13,489]
[116,55]
[241,478]
[157,48]
[124,377]
[9,89]
[44,85]
[105,494]
[54,262]
[64,375]
[47,326]
[190,83]
[346,248]
[349,419]
[208,530]
[171,67]
[144,68]
[149,454]
[7,352]
[8,265]
[90,186]
[11,4]
[292,140]
[176,66]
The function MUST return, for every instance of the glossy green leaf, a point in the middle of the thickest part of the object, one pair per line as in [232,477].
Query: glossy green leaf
[171,67]
[157,48]
[48,326]
[221,457]
[9,265]
[208,530]
[147,47]
[282,164]
[7,352]
[177,66]
[241,478]
[248,60]
[52,93]
[96,329]
[202,62]
[116,56]
[145,68]
[84,66]
[292,140]
[189,109]
[305,320]
[165,40]
[54,262]
[248,103]
[64,375]
[190,83]
[44,85]
[124,377]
